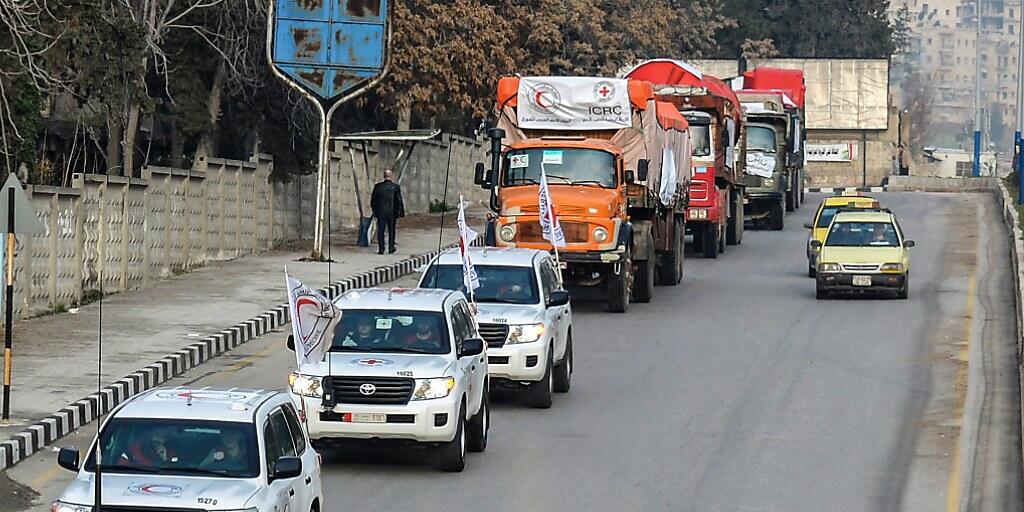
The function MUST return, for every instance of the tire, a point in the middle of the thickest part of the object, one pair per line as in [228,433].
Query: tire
[670,271]
[643,283]
[709,246]
[539,393]
[820,293]
[811,272]
[479,427]
[451,456]
[619,286]
[698,239]
[777,215]
[734,228]
[721,239]
[563,371]
[904,292]
[791,198]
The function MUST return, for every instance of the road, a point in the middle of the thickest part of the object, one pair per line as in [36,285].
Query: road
[738,391]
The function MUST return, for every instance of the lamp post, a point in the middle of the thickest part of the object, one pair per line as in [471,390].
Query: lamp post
[1020,107]
[976,168]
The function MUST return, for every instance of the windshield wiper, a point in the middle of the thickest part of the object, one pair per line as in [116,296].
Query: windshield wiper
[198,471]
[345,348]
[589,182]
[567,180]
[405,350]
[128,469]
[519,181]
[500,301]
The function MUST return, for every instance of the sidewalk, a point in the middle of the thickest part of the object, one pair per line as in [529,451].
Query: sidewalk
[54,362]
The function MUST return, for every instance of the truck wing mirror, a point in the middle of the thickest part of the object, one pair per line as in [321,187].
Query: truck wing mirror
[629,177]
[642,166]
[482,177]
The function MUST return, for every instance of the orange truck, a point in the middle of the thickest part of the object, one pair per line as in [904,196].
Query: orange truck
[718,139]
[617,163]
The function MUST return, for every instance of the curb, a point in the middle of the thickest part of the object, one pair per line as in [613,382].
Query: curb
[831,190]
[46,431]
[1012,220]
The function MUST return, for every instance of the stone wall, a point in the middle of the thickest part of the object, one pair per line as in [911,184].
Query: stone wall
[131,232]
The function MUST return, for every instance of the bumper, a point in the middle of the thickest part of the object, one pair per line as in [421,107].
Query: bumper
[414,421]
[843,282]
[764,195]
[614,256]
[518,362]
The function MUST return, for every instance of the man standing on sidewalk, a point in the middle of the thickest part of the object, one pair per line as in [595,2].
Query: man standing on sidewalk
[387,206]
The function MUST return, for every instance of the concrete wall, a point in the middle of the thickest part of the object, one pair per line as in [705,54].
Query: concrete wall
[879,147]
[131,232]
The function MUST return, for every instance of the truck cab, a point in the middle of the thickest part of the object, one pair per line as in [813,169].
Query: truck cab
[767,181]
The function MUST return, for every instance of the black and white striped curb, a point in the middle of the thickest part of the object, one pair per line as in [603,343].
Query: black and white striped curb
[839,190]
[48,430]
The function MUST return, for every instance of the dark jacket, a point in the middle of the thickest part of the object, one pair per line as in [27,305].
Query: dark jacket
[386,201]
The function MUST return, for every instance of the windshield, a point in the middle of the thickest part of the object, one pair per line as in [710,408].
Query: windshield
[862,234]
[179,447]
[700,137]
[509,285]
[761,138]
[417,332]
[562,166]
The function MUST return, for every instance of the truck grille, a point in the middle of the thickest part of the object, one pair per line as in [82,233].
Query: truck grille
[387,390]
[860,268]
[566,209]
[530,232]
[494,334]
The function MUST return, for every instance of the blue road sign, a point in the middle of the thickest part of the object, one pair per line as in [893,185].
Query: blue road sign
[330,46]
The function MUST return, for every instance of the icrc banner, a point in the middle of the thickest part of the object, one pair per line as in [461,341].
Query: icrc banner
[574,103]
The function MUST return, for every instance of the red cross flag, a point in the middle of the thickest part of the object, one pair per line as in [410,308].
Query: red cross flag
[551,229]
[466,236]
[313,319]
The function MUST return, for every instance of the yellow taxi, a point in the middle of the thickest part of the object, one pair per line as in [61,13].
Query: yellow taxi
[863,251]
[826,210]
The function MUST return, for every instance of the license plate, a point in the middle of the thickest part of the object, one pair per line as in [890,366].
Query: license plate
[862,280]
[367,417]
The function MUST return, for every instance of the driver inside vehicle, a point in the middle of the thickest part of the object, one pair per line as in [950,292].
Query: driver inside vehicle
[425,337]
[228,455]
[152,450]
[365,335]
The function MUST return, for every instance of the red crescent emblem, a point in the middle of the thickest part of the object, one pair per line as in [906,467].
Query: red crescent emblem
[537,99]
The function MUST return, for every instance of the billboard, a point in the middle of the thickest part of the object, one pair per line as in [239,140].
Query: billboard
[330,47]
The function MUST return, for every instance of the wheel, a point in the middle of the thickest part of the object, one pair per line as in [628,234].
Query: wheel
[811,272]
[904,292]
[709,246]
[563,371]
[734,227]
[452,455]
[619,286]
[538,395]
[820,294]
[479,426]
[643,282]
[790,198]
[670,271]
[721,239]
[777,215]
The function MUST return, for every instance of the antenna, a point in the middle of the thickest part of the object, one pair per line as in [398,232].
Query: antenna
[444,197]
[98,480]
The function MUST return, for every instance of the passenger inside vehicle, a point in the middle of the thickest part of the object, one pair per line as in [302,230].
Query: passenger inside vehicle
[229,456]
[365,334]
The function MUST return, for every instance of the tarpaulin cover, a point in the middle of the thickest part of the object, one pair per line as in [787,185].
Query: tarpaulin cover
[675,72]
[788,80]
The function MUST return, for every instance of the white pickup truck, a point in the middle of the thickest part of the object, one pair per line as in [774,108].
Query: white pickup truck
[403,365]
[523,314]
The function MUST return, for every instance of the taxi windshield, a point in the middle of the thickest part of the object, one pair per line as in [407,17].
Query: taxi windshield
[498,283]
[561,166]
[179,447]
[415,332]
[862,234]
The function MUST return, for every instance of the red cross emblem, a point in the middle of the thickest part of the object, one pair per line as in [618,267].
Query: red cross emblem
[604,91]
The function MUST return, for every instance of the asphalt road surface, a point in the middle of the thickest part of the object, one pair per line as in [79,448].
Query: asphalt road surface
[737,391]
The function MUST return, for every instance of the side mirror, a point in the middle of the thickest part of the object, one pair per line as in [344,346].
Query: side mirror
[808,225]
[67,458]
[642,167]
[286,468]
[472,347]
[291,342]
[558,298]
[816,244]
[908,243]
[479,177]
[629,177]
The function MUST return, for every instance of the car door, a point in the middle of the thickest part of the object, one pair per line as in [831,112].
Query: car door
[279,437]
[478,363]
[277,489]
[308,487]
[556,316]
[468,366]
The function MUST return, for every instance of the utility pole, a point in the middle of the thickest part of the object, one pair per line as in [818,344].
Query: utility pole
[976,168]
[1020,106]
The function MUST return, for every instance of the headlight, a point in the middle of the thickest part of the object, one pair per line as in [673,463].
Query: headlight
[507,233]
[600,234]
[892,267]
[429,389]
[305,385]
[768,182]
[830,267]
[60,506]
[527,333]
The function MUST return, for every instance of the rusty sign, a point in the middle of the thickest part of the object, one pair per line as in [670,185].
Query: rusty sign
[330,46]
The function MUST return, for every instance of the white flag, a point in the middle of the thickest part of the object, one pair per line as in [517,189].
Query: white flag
[313,318]
[550,228]
[466,237]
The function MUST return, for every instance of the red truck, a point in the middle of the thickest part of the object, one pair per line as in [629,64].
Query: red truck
[789,83]
[714,215]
